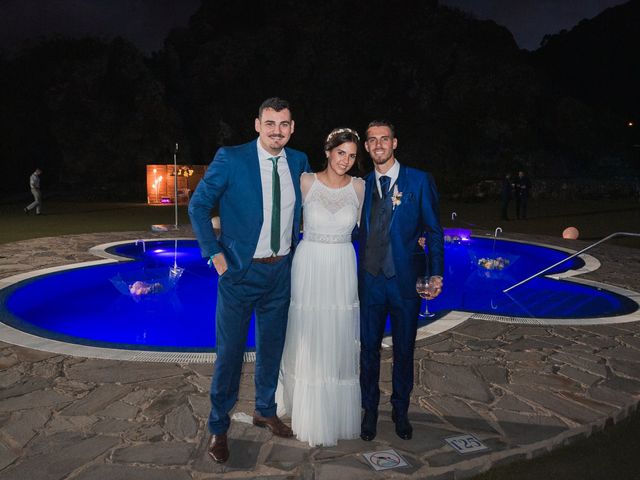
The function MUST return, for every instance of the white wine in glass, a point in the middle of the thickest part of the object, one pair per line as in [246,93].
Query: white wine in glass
[424,289]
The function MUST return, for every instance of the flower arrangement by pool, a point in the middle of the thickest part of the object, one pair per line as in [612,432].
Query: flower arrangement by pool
[497,263]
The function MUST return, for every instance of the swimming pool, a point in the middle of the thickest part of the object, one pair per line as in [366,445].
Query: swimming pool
[95,305]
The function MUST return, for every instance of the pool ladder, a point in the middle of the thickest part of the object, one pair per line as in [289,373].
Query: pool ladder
[617,234]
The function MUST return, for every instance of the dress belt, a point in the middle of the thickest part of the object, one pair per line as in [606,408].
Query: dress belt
[269,259]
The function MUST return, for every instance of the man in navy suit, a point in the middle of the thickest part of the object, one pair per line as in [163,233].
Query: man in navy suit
[256,187]
[400,205]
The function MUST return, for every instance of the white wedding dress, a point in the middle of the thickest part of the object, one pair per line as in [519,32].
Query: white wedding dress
[319,374]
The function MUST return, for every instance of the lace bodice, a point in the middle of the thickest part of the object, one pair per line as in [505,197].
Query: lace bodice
[331,213]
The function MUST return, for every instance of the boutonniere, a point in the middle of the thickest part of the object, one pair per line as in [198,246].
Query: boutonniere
[396,198]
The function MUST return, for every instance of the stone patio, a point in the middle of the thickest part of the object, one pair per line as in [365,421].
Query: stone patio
[522,390]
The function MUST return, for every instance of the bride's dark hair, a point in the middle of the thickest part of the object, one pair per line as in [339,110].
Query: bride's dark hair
[337,137]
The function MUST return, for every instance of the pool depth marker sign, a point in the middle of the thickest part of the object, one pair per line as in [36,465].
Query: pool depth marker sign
[385,460]
[466,443]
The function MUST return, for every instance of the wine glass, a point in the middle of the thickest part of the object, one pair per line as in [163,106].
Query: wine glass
[424,289]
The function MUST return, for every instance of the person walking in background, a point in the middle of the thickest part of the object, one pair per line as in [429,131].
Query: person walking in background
[506,189]
[257,189]
[34,185]
[522,187]
[400,204]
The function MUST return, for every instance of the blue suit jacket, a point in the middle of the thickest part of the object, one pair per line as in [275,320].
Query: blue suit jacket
[233,183]
[417,213]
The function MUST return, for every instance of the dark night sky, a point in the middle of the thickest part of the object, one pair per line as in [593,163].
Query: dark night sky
[147,22]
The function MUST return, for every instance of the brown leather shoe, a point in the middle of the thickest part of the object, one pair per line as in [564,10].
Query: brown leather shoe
[218,448]
[272,423]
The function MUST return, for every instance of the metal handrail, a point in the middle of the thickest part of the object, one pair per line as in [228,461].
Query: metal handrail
[617,234]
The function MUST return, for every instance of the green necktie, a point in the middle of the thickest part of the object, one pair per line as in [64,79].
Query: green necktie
[275,207]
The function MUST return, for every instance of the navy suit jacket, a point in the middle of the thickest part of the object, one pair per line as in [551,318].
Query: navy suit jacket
[233,183]
[417,213]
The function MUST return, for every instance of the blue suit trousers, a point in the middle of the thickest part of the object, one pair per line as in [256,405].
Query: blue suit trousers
[382,298]
[266,288]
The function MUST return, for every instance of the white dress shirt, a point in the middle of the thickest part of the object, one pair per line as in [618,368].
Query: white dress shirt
[392,173]
[287,203]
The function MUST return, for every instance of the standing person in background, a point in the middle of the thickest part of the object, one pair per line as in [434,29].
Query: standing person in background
[522,186]
[34,185]
[506,189]
[256,186]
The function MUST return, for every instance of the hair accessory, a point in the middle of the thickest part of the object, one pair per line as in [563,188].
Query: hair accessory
[338,131]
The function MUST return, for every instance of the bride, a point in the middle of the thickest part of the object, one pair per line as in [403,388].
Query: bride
[319,385]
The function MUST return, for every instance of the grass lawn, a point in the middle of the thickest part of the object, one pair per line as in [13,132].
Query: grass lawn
[593,218]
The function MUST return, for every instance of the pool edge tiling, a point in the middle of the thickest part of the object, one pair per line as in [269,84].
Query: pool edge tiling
[446,322]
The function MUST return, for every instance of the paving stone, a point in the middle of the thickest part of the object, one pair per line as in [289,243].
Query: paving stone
[455,380]
[343,468]
[60,423]
[27,386]
[202,384]
[29,355]
[446,345]
[599,343]
[72,387]
[180,423]
[46,369]
[10,378]
[614,382]
[120,410]
[526,344]
[23,426]
[633,342]
[416,414]
[345,447]
[509,402]
[580,376]
[625,367]
[157,453]
[104,371]
[481,329]
[591,363]
[7,361]
[178,383]
[200,405]
[243,455]
[7,457]
[557,404]
[285,457]
[484,344]
[122,472]
[145,433]
[97,400]
[617,398]
[457,413]
[60,459]
[551,381]
[112,426]
[38,399]
[525,429]
[140,396]
[524,357]
[553,341]
[164,403]
[494,374]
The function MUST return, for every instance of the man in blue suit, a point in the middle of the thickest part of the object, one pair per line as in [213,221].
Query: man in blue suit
[256,187]
[400,205]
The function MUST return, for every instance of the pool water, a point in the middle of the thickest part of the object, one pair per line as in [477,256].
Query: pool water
[93,305]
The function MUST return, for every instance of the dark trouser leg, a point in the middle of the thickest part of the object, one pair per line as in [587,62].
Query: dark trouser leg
[271,326]
[233,315]
[404,324]
[373,316]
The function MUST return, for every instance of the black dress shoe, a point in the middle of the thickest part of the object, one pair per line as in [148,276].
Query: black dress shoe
[218,448]
[369,425]
[403,428]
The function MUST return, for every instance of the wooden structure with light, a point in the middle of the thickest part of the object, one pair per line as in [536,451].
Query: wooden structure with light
[161,178]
